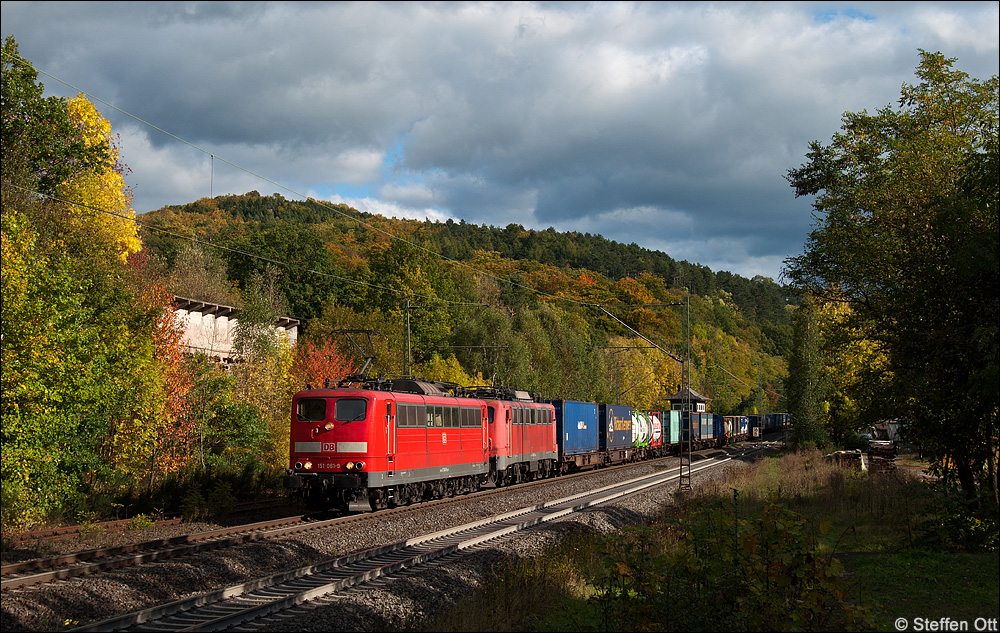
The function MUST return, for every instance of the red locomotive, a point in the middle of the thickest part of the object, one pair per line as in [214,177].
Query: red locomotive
[395,442]
[522,435]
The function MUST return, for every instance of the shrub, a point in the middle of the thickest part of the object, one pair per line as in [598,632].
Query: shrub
[961,525]
[140,522]
[760,573]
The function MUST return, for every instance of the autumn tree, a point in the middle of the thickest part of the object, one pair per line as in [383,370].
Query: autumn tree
[100,197]
[446,369]
[89,355]
[316,363]
[202,275]
[264,358]
[906,203]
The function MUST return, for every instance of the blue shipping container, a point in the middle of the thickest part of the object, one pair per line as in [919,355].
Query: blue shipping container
[576,426]
[691,424]
[616,426]
[706,426]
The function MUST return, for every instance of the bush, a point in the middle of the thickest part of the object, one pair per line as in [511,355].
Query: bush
[761,573]
[140,522]
[961,525]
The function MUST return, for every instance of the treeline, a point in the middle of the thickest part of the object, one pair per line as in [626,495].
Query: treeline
[380,274]
[759,299]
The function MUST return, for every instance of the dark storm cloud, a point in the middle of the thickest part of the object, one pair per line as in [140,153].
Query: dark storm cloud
[666,124]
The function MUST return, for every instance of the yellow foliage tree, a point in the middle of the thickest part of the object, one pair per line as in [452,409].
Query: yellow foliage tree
[644,376]
[103,202]
[447,370]
[858,368]
[264,380]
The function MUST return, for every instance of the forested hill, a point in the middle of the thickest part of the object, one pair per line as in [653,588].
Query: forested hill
[759,299]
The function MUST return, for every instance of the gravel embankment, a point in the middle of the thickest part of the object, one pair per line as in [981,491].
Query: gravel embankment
[387,606]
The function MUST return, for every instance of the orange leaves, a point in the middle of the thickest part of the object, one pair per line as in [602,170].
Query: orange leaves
[314,363]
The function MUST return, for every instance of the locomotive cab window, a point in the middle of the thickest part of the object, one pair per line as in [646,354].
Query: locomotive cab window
[351,409]
[311,410]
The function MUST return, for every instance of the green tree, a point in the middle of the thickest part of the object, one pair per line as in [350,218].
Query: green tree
[264,360]
[42,146]
[82,381]
[907,231]
[806,385]
[410,283]
[309,273]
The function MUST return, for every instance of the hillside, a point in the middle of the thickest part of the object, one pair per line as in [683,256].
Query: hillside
[340,267]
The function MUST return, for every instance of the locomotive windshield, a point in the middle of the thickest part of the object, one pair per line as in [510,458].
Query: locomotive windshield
[312,410]
[351,409]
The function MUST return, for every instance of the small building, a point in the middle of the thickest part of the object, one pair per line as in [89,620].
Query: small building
[209,328]
[698,402]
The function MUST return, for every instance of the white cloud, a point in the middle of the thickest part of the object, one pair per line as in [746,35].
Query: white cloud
[390,210]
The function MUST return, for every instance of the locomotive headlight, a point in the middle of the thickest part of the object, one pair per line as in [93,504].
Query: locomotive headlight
[349,465]
[360,465]
[307,465]
[328,426]
[298,465]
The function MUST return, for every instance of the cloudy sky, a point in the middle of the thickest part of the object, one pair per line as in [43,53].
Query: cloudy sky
[669,124]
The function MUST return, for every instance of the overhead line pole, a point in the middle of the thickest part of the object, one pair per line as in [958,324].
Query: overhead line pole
[684,481]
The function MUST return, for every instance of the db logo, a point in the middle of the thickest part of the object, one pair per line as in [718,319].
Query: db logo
[329,447]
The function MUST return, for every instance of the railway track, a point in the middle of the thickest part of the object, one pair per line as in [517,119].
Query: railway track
[266,597]
[35,537]
[65,566]
[88,562]
[62,567]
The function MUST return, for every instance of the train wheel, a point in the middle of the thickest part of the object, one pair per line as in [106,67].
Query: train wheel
[378,499]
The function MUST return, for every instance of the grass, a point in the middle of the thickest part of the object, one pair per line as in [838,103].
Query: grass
[929,585]
[886,530]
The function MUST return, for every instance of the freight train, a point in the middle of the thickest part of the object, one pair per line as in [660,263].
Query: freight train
[388,442]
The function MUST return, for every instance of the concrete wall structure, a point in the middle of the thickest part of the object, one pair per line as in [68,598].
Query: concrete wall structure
[209,328]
